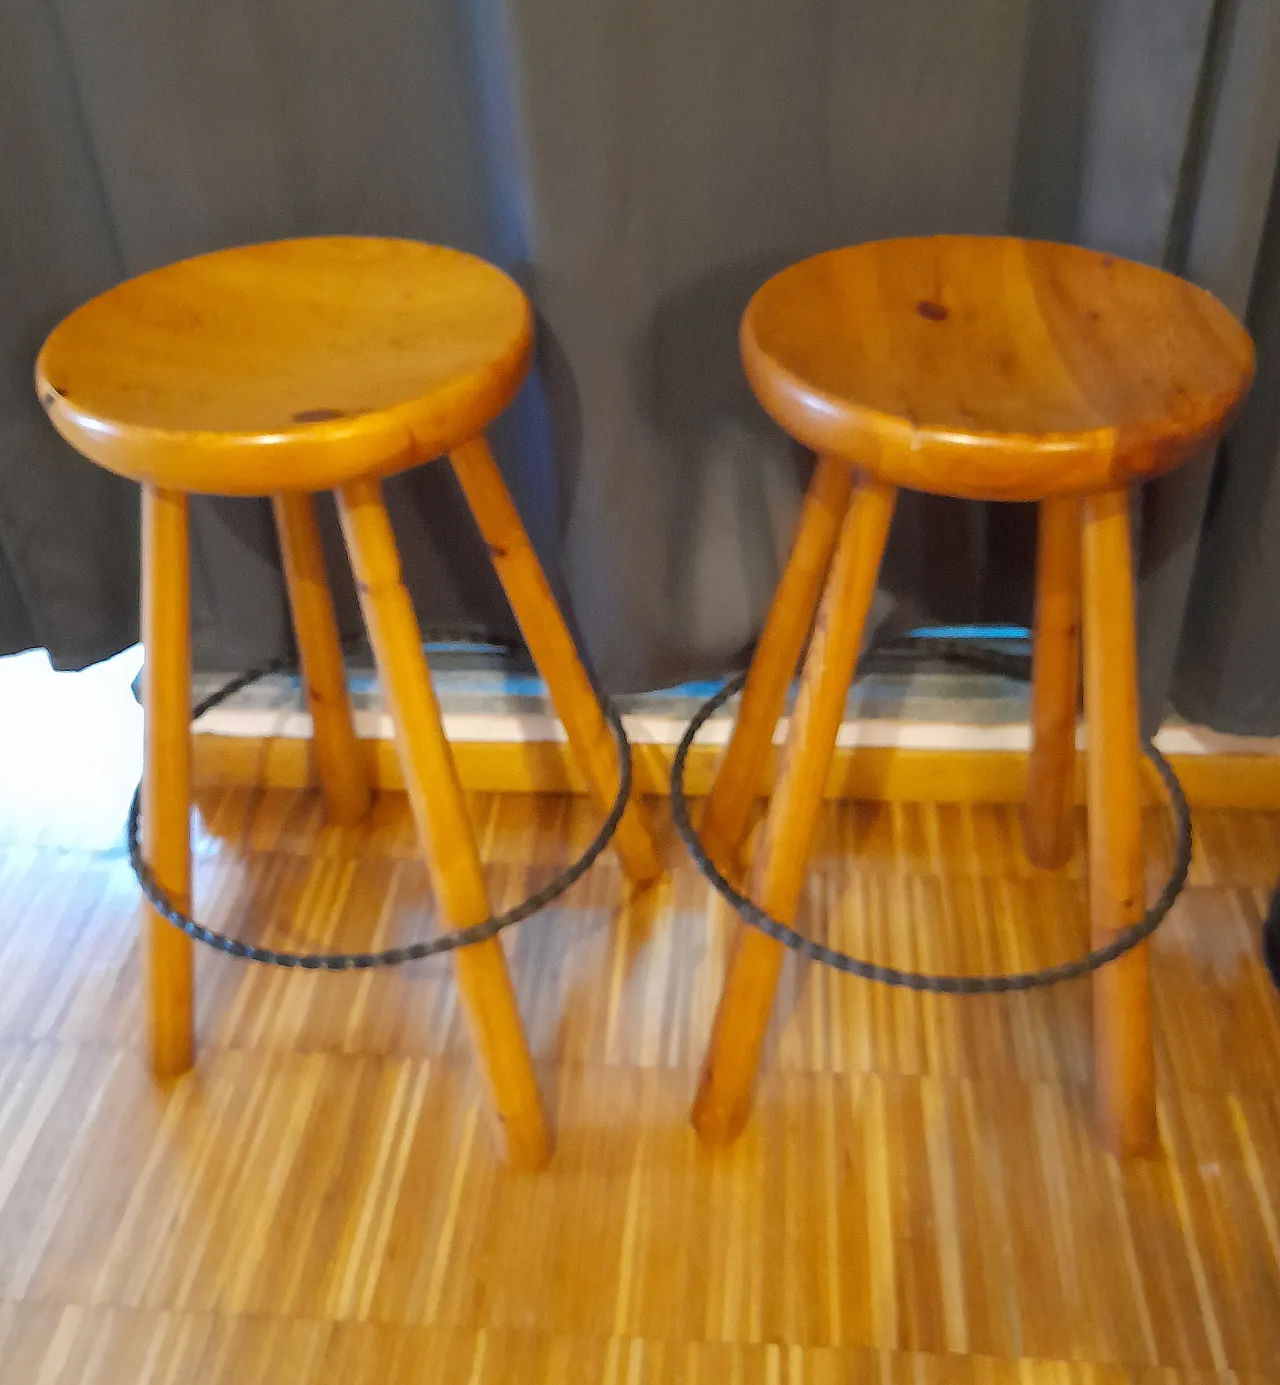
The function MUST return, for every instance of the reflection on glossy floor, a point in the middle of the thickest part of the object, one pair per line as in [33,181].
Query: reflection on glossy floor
[917,1199]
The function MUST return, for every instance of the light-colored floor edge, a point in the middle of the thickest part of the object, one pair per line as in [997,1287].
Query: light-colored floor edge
[1175,738]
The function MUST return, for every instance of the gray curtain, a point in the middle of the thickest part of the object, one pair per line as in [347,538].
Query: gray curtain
[640,168]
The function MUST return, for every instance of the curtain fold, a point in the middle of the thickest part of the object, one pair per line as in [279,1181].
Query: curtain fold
[1228,673]
[640,169]
[68,533]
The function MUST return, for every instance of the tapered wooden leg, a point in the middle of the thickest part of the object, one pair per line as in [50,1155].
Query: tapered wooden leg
[1055,684]
[738,781]
[552,647]
[724,1092]
[1124,1067]
[166,775]
[440,814]
[344,781]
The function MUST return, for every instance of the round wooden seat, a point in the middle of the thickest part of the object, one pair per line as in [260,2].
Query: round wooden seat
[994,368]
[296,365]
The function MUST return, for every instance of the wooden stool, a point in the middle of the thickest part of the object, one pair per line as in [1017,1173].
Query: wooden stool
[288,368]
[992,369]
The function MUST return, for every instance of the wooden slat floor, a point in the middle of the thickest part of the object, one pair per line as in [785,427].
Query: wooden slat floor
[918,1197]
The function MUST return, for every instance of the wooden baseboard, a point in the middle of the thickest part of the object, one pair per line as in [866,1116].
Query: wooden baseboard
[867,772]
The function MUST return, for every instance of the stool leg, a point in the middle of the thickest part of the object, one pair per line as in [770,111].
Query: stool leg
[724,1092]
[440,813]
[552,647]
[340,764]
[166,774]
[738,781]
[1055,683]
[1124,1067]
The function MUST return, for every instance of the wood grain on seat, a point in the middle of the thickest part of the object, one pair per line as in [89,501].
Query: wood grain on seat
[994,368]
[296,365]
